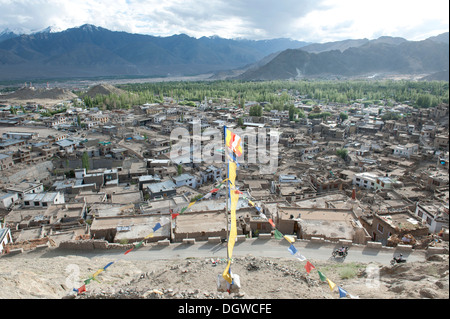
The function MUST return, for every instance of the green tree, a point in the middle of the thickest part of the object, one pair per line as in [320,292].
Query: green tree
[342,152]
[291,112]
[85,161]
[256,110]
[343,116]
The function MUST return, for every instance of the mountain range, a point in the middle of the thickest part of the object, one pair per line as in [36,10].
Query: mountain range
[358,58]
[91,51]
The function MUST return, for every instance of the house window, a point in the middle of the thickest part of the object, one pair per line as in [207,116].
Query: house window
[380,228]
[420,214]
[26,203]
[429,220]
[44,204]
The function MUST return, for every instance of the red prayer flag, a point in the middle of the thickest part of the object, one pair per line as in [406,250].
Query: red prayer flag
[82,289]
[309,267]
[271,222]
[174,215]
[128,251]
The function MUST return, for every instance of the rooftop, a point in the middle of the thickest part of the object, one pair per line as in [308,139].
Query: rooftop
[196,222]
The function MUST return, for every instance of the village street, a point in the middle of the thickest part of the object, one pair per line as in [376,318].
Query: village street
[254,247]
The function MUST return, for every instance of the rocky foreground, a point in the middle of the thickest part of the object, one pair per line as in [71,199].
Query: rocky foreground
[196,278]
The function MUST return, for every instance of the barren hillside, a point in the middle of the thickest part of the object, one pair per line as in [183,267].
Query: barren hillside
[27,276]
[41,96]
[103,89]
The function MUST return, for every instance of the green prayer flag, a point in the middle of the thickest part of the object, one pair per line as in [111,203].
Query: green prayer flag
[87,281]
[183,210]
[322,276]
[139,245]
[277,234]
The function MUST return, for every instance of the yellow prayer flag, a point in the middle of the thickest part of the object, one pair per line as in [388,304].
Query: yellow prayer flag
[289,239]
[251,203]
[331,284]
[232,174]
[233,230]
[97,273]
[226,273]
[190,204]
[148,236]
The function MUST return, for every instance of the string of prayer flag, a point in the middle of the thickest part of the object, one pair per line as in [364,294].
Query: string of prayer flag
[163,221]
[309,266]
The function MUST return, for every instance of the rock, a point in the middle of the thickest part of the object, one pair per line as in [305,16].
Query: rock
[442,284]
[155,293]
[439,258]
[428,293]
[417,278]
[397,288]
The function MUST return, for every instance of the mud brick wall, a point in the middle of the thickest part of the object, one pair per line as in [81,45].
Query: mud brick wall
[84,244]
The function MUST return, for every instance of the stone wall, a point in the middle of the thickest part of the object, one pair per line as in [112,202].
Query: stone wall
[84,244]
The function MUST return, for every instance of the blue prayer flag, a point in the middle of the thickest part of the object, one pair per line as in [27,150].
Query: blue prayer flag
[292,250]
[157,226]
[112,262]
[342,292]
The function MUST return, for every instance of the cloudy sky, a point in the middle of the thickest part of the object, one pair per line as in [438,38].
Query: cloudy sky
[304,20]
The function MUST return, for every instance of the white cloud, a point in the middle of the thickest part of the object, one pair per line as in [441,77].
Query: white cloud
[307,20]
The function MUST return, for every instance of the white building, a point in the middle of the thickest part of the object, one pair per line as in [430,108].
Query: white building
[365,180]
[373,181]
[434,216]
[406,150]
[5,237]
[211,173]
[26,188]
[185,179]
[8,199]
[43,199]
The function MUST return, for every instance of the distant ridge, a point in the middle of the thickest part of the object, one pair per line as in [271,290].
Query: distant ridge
[385,55]
[91,51]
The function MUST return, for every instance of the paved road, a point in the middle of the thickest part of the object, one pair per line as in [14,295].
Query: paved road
[254,247]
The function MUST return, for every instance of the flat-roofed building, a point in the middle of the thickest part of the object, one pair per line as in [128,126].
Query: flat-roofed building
[162,189]
[200,226]
[25,188]
[43,199]
[381,226]
[130,228]
[328,223]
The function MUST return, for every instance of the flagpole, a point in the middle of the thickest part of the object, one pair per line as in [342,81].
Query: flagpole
[228,182]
